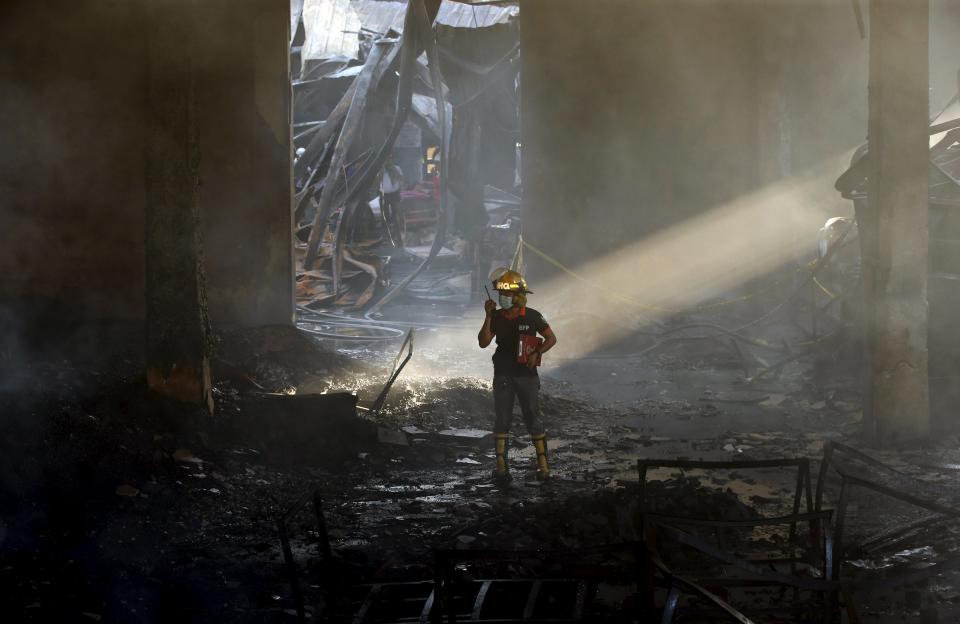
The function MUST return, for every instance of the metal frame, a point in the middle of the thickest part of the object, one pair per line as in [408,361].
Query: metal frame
[803,490]
[483,588]
[821,539]
[677,584]
[377,590]
[290,564]
[445,561]
[911,491]
[395,371]
[761,573]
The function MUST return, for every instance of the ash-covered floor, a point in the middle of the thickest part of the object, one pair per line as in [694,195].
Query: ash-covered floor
[120,508]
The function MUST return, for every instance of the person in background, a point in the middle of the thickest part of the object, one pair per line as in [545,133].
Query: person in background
[391,183]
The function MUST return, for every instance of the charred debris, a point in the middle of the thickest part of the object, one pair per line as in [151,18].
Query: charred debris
[723,462]
[442,102]
[297,502]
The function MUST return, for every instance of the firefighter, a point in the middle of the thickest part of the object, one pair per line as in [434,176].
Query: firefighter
[515,364]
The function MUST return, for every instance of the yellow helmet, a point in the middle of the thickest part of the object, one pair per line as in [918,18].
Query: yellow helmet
[506,280]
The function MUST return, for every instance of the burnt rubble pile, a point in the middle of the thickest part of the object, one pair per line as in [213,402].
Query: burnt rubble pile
[584,520]
[169,499]
[277,359]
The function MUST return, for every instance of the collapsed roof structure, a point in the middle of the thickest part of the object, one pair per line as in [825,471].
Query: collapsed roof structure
[373,78]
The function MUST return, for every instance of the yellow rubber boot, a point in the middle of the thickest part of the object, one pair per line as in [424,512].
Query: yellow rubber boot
[501,471]
[543,468]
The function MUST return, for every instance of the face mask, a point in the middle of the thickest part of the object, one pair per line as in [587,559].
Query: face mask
[506,301]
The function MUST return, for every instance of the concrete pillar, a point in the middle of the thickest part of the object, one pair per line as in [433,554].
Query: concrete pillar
[177,328]
[244,133]
[896,409]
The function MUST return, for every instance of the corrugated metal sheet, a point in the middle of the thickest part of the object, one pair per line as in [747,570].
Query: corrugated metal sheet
[383,15]
[380,16]
[461,15]
[331,28]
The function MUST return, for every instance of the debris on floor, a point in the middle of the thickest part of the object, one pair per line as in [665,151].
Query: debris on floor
[180,510]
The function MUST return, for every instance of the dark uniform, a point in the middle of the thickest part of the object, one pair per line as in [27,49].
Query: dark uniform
[511,379]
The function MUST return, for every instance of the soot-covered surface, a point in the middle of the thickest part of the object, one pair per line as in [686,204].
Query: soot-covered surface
[119,507]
